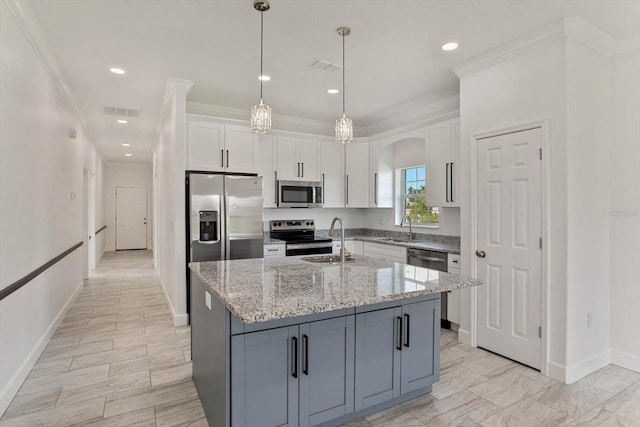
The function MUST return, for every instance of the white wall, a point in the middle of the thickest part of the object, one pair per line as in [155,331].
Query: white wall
[169,166]
[126,175]
[566,84]
[624,210]
[40,168]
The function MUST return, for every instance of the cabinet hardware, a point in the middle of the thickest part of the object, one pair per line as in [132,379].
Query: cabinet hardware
[298,173]
[406,339]
[451,181]
[375,188]
[399,339]
[540,242]
[305,358]
[323,188]
[272,250]
[221,158]
[294,357]
[347,189]
[227,158]
[302,173]
[275,181]
[540,153]
[539,331]
[446,179]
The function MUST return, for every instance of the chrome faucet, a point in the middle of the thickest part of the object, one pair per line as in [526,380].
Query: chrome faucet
[333,223]
[410,225]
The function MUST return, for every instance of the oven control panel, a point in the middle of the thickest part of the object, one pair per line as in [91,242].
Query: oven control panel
[295,224]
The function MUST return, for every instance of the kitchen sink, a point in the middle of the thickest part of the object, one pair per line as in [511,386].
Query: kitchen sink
[389,239]
[327,259]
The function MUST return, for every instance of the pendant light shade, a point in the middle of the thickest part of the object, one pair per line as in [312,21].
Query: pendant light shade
[344,125]
[261,113]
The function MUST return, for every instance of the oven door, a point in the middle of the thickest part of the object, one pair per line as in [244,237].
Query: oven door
[299,194]
[311,248]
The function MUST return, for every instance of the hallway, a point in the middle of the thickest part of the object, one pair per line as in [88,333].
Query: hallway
[115,360]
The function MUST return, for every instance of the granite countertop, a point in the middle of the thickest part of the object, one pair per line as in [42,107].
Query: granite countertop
[263,289]
[269,241]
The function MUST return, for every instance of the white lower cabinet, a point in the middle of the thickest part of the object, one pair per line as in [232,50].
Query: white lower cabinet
[453,298]
[386,252]
[274,250]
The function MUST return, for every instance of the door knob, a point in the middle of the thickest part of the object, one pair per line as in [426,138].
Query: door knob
[481,254]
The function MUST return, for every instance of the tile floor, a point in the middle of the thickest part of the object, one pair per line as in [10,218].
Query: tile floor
[117,360]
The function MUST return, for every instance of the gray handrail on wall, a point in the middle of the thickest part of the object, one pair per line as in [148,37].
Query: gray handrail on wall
[35,273]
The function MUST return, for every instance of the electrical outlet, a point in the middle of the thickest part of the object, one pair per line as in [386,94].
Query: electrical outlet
[207,299]
[589,320]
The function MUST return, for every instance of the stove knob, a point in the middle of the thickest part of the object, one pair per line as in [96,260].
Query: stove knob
[307,222]
[311,222]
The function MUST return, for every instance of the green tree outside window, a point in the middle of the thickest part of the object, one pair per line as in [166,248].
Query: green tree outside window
[415,203]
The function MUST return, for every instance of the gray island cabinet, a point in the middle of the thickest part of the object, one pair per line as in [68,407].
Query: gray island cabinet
[284,342]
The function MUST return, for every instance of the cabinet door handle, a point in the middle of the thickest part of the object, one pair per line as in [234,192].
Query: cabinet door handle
[446,179]
[406,335]
[399,333]
[294,357]
[451,181]
[221,158]
[305,357]
[323,188]
[227,158]
[298,173]
[347,189]
[275,181]
[302,173]
[375,188]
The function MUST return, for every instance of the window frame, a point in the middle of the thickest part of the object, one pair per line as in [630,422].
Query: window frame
[402,197]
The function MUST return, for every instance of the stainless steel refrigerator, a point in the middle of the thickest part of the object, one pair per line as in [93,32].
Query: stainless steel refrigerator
[225,217]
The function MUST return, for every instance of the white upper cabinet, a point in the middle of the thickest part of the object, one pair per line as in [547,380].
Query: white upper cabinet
[380,176]
[205,147]
[298,160]
[442,148]
[357,175]
[216,147]
[267,170]
[241,149]
[332,174]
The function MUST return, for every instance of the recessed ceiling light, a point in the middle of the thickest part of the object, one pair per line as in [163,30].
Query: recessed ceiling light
[126,144]
[115,70]
[128,154]
[450,46]
[122,122]
[333,91]
[264,78]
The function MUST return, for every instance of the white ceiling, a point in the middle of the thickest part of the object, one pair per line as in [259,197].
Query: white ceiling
[393,54]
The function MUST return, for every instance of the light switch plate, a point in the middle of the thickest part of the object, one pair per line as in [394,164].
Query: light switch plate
[207,299]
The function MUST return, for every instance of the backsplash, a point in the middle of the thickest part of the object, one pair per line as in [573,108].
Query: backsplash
[369,232]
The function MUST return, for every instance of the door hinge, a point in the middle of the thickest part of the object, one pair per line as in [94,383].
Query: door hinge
[540,242]
[540,153]
[539,331]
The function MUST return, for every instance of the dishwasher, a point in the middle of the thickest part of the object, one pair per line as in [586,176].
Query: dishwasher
[434,261]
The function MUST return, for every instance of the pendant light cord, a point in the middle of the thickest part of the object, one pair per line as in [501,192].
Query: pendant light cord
[261,48]
[343,83]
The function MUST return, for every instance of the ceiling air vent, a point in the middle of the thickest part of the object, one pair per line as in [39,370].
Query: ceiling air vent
[321,65]
[122,112]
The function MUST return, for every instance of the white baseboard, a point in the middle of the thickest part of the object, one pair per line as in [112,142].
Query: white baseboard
[178,319]
[625,360]
[14,384]
[587,366]
[464,336]
[557,371]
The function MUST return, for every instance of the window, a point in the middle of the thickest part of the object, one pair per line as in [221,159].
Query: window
[413,197]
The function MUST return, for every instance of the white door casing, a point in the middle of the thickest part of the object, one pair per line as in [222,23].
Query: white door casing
[131,218]
[509,228]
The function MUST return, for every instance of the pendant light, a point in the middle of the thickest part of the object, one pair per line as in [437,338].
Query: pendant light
[344,125]
[261,113]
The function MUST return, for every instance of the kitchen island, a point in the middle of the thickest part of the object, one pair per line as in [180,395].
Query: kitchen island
[287,342]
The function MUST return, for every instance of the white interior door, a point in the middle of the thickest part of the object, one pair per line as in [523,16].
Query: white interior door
[508,245]
[131,218]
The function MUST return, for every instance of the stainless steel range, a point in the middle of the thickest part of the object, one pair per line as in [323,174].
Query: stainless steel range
[299,235]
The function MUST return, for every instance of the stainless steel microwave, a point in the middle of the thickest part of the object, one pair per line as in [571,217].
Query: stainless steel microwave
[299,194]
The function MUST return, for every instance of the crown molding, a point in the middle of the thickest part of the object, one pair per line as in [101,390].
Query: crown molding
[574,27]
[627,44]
[280,122]
[410,115]
[31,29]
[172,87]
